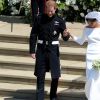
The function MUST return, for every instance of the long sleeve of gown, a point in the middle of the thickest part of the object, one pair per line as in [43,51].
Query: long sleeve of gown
[80,40]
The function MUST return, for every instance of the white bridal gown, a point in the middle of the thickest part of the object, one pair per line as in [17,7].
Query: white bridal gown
[92,36]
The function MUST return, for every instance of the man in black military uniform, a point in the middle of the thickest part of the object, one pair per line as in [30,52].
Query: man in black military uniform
[45,34]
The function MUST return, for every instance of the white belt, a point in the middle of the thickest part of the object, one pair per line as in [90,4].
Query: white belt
[53,42]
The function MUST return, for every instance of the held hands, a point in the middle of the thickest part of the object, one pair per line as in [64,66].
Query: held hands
[33,55]
[66,32]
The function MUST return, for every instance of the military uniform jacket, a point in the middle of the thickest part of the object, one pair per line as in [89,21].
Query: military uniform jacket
[47,56]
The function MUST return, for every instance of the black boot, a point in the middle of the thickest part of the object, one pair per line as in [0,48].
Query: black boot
[53,99]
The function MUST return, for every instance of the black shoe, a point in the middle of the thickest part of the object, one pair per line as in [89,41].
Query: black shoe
[53,99]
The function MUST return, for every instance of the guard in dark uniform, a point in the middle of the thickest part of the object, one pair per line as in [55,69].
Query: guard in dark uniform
[38,7]
[45,34]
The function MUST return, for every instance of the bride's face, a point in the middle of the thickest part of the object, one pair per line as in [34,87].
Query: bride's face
[92,23]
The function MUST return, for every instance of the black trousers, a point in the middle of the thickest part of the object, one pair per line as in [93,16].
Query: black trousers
[40,88]
[37,6]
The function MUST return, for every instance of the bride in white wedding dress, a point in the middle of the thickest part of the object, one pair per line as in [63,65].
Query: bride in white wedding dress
[91,34]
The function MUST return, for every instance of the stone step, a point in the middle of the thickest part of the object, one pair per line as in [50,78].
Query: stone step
[14,38]
[24,47]
[25,40]
[71,53]
[72,94]
[20,29]
[20,82]
[11,91]
[21,32]
[27,77]
[12,19]
[19,91]
[63,55]
[77,69]
[67,53]
[23,29]
[27,63]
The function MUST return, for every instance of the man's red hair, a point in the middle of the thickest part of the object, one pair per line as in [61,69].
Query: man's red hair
[51,3]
